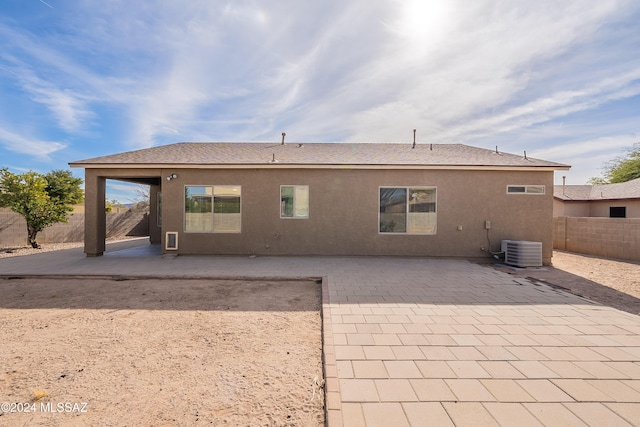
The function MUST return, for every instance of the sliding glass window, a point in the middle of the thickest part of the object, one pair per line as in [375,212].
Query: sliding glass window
[212,209]
[407,210]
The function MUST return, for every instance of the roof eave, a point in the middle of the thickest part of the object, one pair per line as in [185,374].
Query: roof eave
[600,199]
[278,165]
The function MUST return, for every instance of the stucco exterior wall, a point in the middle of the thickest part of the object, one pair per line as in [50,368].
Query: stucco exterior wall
[343,212]
[607,237]
[561,208]
[601,209]
[594,208]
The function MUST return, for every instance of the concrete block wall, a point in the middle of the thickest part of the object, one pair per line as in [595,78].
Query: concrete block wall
[71,231]
[606,237]
[13,228]
[559,233]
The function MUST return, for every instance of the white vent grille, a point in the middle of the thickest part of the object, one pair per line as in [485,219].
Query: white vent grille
[521,253]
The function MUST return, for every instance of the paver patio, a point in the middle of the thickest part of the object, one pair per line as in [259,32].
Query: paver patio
[431,341]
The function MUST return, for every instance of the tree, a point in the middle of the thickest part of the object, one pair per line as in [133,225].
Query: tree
[110,205]
[42,200]
[142,198]
[621,169]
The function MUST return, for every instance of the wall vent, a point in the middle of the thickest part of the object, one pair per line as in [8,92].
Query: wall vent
[171,241]
[521,253]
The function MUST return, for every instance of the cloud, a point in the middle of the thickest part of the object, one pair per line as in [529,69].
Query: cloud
[550,107]
[123,192]
[38,148]
[69,108]
[52,79]
[587,157]
[374,74]
[457,71]
[242,65]
[490,77]
[599,146]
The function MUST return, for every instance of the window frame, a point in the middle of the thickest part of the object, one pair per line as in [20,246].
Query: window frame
[407,211]
[213,213]
[617,211]
[527,189]
[294,202]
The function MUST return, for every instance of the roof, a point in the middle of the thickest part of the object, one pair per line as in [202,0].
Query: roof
[221,154]
[572,192]
[623,190]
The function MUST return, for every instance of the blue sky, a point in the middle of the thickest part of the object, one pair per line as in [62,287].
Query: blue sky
[84,78]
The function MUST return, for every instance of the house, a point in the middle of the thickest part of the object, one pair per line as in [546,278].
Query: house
[608,200]
[427,200]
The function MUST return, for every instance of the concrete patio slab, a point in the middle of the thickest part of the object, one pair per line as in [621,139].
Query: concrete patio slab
[430,341]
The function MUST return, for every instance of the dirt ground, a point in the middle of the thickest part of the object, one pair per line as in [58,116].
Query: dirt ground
[160,352]
[610,282]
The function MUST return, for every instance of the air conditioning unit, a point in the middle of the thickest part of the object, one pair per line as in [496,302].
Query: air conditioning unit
[521,253]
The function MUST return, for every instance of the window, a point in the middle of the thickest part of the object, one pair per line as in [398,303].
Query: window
[212,209]
[617,212]
[198,209]
[226,208]
[526,189]
[294,201]
[410,210]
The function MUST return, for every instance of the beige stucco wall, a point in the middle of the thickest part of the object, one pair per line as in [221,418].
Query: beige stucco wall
[343,218]
[594,208]
[343,211]
[561,208]
[601,209]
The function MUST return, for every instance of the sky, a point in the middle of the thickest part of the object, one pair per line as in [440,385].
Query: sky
[86,78]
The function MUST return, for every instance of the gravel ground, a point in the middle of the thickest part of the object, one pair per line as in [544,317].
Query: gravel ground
[161,352]
[46,247]
[610,282]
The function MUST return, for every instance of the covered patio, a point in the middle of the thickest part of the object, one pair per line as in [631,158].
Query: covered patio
[95,204]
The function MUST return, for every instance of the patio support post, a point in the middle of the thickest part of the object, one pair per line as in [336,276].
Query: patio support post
[95,217]
[154,229]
